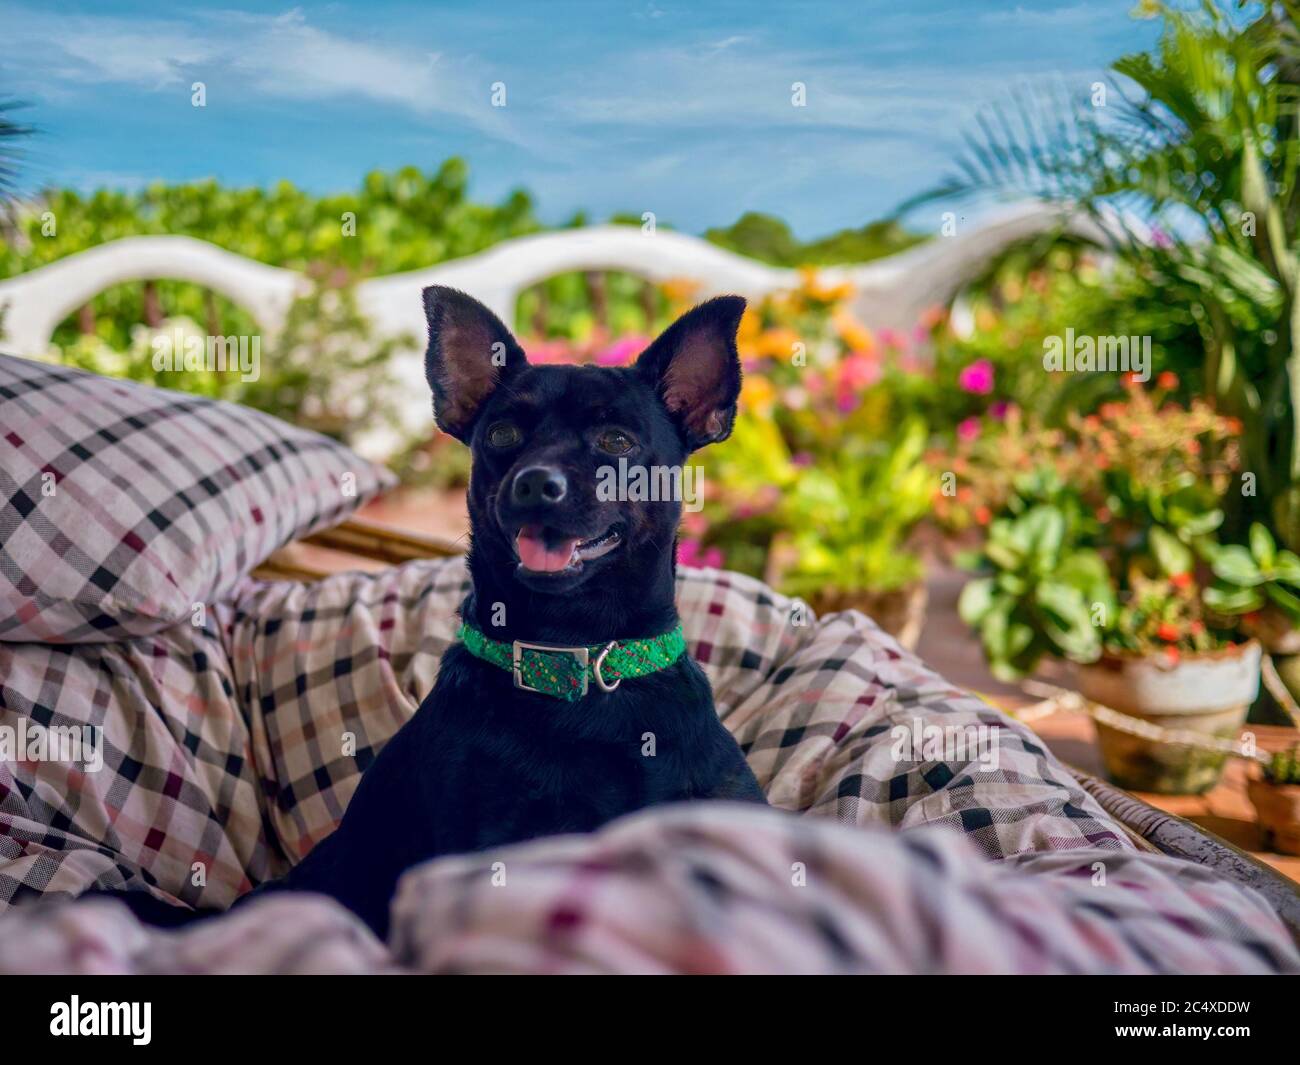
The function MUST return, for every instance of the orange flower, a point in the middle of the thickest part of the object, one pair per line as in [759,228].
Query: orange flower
[1168,632]
[1181,580]
[856,335]
[1167,380]
[982,515]
[779,342]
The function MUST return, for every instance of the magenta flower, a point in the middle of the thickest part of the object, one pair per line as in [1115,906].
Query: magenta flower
[859,370]
[969,429]
[892,338]
[621,352]
[693,554]
[977,378]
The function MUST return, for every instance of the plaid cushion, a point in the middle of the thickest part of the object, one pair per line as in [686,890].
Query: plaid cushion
[238,745]
[172,798]
[330,671]
[123,507]
[730,888]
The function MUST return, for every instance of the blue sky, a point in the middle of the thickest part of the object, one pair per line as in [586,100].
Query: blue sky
[681,108]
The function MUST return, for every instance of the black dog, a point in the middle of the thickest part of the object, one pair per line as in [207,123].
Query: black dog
[486,761]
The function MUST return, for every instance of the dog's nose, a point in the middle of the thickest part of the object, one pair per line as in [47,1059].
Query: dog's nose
[538,486]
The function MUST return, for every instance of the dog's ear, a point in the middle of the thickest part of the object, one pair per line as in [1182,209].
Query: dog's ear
[695,369]
[470,353]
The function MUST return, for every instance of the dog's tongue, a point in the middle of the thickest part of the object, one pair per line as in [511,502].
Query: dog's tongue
[539,558]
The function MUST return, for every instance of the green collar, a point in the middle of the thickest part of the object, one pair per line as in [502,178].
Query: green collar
[565,672]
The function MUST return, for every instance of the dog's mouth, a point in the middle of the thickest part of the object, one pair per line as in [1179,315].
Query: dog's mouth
[546,551]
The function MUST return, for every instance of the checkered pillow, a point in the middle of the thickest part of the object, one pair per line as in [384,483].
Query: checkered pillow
[236,747]
[329,672]
[122,507]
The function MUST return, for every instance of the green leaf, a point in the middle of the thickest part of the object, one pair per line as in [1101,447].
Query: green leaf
[1289,604]
[976,600]
[1044,529]
[1172,555]
[1287,568]
[1262,547]
[1230,600]
[1235,564]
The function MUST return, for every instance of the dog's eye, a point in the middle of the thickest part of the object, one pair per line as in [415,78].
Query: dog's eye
[614,442]
[504,435]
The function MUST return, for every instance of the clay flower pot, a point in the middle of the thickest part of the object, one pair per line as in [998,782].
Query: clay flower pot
[1278,808]
[1207,693]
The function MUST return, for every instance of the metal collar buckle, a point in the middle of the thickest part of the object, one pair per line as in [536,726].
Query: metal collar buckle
[581,655]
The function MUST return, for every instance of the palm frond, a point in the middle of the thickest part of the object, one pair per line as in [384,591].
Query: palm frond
[12,134]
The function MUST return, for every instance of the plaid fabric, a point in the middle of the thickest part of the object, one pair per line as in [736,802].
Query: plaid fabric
[290,691]
[238,746]
[714,888]
[122,507]
[177,802]
[726,888]
[331,671]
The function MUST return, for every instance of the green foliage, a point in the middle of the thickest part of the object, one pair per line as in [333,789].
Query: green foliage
[11,133]
[403,221]
[1247,579]
[849,520]
[326,370]
[761,236]
[1208,149]
[1283,767]
[1043,594]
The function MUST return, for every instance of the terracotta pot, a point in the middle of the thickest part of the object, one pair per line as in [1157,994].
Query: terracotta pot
[1278,807]
[900,612]
[1209,694]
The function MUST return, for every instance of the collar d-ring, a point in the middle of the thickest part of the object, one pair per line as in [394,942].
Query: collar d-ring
[601,683]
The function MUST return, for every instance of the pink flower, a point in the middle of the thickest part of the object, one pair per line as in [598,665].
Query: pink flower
[621,352]
[545,352]
[858,370]
[977,378]
[801,459]
[695,523]
[968,429]
[999,409]
[692,553]
[892,338]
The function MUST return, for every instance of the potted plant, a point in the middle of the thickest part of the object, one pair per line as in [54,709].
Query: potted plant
[1276,798]
[844,531]
[1162,663]
[1260,584]
[1093,558]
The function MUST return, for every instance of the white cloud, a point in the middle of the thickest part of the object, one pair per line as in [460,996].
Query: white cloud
[278,56]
